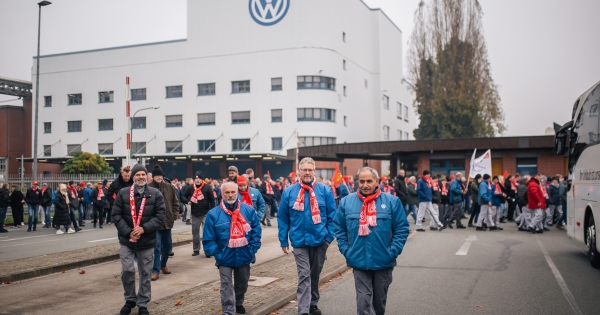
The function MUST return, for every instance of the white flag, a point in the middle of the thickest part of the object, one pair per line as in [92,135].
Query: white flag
[481,165]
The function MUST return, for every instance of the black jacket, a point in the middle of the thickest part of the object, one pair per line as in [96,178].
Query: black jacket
[413,196]
[46,198]
[102,202]
[15,200]
[267,197]
[4,198]
[522,194]
[33,197]
[61,211]
[202,206]
[401,190]
[73,201]
[116,186]
[152,218]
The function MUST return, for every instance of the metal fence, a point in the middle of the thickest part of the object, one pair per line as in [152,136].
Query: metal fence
[54,180]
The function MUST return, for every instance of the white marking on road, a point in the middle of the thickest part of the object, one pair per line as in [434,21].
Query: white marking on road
[102,240]
[561,282]
[464,249]
[30,237]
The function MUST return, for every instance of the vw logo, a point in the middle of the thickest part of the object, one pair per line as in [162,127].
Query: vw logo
[268,12]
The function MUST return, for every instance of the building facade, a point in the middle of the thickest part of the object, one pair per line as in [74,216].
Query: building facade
[249,75]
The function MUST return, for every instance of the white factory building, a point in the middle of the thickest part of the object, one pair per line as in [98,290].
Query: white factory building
[248,75]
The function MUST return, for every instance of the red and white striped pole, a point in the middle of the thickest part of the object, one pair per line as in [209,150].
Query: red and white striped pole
[128,115]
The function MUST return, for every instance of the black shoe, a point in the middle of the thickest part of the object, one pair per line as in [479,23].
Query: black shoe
[28,229]
[34,228]
[423,221]
[550,224]
[463,217]
[479,228]
[101,226]
[546,229]
[126,309]
[461,227]
[502,220]
[532,230]
[94,225]
[470,225]
[420,230]
[143,311]
[171,254]
[78,229]
[207,255]
[188,222]
[196,254]
[494,228]
[263,222]
[511,220]
[239,309]
[484,225]
[450,226]
[3,231]
[268,224]
[540,232]
[314,310]
[82,225]
[432,228]
[499,228]
[523,230]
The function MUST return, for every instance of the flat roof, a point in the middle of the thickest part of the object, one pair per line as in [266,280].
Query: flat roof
[112,48]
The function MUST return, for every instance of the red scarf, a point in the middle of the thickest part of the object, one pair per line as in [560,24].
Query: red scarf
[43,189]
[513,184]
[314,205]
[444,188]
[435,185]
[368,213]
[269,188]
[428,181]
[246,197]
[73,196]
[135,217]
[387,188]
[238,227]
[544,192]
[198,195]
[34,188]
[101,193]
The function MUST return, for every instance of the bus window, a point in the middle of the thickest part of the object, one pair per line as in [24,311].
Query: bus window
[585,131]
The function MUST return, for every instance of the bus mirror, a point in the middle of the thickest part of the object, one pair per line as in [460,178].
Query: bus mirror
[560,143]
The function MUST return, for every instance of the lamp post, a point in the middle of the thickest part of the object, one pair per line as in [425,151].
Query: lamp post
[37,90]
[131,125]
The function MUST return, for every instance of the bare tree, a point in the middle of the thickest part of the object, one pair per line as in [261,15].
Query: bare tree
[456,96]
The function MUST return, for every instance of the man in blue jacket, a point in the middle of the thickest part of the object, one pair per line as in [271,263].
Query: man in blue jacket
[232,235]
[251,196]
[485,201]
[424,192]
[306,217]
[456,201]
[371,229]
[87,193]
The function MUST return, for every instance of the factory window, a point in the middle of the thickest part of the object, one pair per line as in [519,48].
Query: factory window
[73,148]
[316,114]
[386,133]
[276,84]
[240,117]
[47,101]
[399,134]
[206,119]
[47,150]
[138,123]
[399,111]
[138,148]
[74,99]
[386,102]
[276,143]
[240,144]
[175,91]
[206,89]
[240,87]
[174,121]
[106,97]
[406,113]
[276,115]
[324,173]
[316,82]
[105,148]
[138,94]
[406,136]
[310,141]
[344,64]
[74,126]
[345,121]
[366,83]
[344,37]
[174,146]
[207,146]
[344,90]
[47,127]
[105,124]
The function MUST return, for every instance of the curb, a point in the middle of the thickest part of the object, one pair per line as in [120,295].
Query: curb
[68,266]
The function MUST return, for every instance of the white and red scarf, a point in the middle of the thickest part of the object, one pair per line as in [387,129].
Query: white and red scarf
[368,212]
[429,182]
[498,190]
[444,188]
[434,184]
[544,192]
[100,193]
[73,192]
[136,217]
[314,205]
[43,189]
[269,188]
[246,196]
[387,188]
[513,184]
[198,195]
[238,227]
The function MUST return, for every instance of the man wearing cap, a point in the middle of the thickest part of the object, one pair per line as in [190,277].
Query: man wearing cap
[425,193]
[201,199]
[268,194]
[232,235]
[98,199]
[46,203]
[33,198]
[371,229]
[164,242]
[138,212]
[232,173]
[305,217]
[485,202]
[250,196]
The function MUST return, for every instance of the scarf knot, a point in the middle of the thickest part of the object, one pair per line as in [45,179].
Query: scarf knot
[368,212]
[238,228]
[198,194]
[314,205]
[246,196]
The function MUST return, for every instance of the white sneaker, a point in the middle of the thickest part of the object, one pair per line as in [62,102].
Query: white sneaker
[22,223]
[59,232]
[71,231]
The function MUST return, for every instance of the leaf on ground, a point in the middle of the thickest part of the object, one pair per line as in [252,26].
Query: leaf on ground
[64,270]
[81,271]
[6,281]
[192,243]
[217,289]
[178,303]
[480,306]
[338,274]
[97,245]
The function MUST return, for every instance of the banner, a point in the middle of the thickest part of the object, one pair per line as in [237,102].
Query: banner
[481,165]
[337,177]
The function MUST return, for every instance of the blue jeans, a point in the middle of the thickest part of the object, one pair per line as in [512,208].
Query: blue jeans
[563,218]
[47,215]
[81,211]
[32,210]
[163,247]
[2,217]
[413,209]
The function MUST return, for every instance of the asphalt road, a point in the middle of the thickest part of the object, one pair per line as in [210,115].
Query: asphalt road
[502,272]
[18,243]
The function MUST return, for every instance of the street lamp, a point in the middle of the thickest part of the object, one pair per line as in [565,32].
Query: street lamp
[37,90]
[131,125]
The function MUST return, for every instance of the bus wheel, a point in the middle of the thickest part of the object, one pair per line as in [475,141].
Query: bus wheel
[591,242]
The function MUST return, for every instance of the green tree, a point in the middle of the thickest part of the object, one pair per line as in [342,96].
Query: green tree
[86,163]
[456,96]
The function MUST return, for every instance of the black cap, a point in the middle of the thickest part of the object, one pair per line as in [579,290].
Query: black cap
[157,171]
[478,176]
[486,176]
[199,174]
[425,172]
[71,182]
[138,168]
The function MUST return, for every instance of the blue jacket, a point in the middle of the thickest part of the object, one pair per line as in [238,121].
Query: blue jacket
[423,191]
[257,201]
[456,191]
[343,190]
[485,194]
[216,237]
[87,192]
[298,225]
[554,195]
[54,195]
[381,247]
[496,199]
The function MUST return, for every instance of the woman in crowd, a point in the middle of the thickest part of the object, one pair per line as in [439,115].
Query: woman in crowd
[62,211]
[16,205]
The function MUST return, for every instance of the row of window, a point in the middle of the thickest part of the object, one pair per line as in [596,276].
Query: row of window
[204,146]
[204,89]
[386,134]
[386,105]
[206,119]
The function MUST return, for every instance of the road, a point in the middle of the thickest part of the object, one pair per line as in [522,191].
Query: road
[503,272]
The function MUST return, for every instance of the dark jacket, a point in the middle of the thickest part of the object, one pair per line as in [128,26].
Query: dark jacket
[94,198]
[152,218]
[33,197]
[4,198]
[522,194]
[554,195]
[171,203]
[202,206]
[412,198]
[562,191]
[74,201]
[474,192]
[15,201]
[509,191]
[116,186]
[424,191]
[61,211]
[400,189]
[46,200]
[456,190]
[269,198]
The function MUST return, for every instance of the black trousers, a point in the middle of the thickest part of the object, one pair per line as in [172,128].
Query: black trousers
[99,214]
[511,210]
[476,209]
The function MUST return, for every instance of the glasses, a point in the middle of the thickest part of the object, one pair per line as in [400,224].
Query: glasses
[307,170]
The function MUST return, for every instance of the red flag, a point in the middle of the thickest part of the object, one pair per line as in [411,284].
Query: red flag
[505,174]
[336,179]
[269,174]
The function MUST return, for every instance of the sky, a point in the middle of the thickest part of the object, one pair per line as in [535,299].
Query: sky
[543,53]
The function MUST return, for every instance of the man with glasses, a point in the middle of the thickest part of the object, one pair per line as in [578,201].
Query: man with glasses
[306,217]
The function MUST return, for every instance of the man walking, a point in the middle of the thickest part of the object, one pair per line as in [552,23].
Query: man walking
[33,197]
[401,189]
[456,201]
[99,200]
[371,256]
[306,217]
[234,248]
[46,200]
[424,190]
[4,203]
[485,202]
[201,199]
[138,213]
[251,196]
[164,242]
[73,204]
[536,204]
[268,194]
